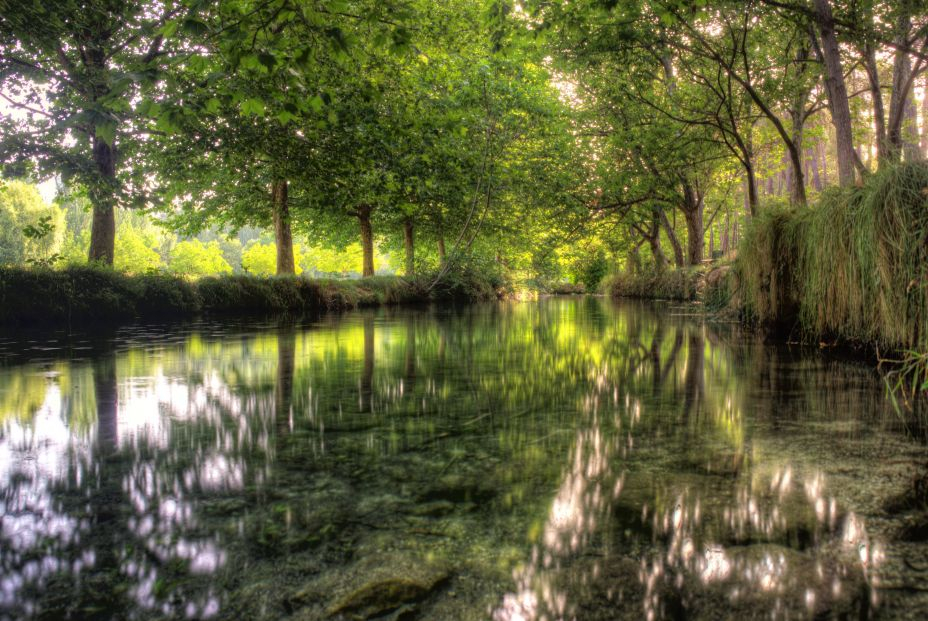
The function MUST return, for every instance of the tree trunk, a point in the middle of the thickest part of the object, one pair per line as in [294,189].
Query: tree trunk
[367,239]
[794,172]
[902,133]
[660,261]
[282,234]
[750,198]
[876,97]
[678,257]
[103,226]
[442,255]
[633,265]
[813,159]
[692,213]
[925,117]
[837,91]
[408,243]
[725,233]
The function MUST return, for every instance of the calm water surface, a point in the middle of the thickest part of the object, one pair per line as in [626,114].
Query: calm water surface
[561,459]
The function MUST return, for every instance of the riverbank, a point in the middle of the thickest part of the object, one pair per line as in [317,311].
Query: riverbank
[851,268]
[681,285]
[43,296]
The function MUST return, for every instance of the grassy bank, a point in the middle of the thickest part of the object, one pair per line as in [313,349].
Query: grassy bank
[853,267]
[80,294]
[680,284]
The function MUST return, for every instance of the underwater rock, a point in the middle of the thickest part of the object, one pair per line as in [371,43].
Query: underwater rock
[373,587]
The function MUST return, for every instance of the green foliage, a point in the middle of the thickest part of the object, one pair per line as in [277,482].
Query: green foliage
[194,258]
[261,259]
[31,230]
[135,252]
[592,269]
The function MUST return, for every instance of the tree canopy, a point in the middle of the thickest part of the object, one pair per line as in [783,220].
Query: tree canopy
[546,137]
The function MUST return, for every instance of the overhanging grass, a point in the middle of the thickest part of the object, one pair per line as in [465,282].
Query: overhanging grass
[35,296]
[853,266]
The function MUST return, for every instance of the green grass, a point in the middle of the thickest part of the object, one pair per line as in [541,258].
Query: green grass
[81,294]
[851,267]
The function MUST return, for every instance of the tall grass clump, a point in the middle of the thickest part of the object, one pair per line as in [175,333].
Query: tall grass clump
[854,266]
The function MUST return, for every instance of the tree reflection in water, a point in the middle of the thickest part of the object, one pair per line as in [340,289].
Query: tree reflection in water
[658,466]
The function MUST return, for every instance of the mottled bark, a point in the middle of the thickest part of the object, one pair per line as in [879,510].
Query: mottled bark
[678,256]
[693,215]
[751,201]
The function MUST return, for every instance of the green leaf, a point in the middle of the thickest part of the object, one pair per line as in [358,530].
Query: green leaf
[195,27]
[253,106]
[168,30]
[267,60]
[106,132]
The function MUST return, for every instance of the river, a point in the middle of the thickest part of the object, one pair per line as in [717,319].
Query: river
[561,459]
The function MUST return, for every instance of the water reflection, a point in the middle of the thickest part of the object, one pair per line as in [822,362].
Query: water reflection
[568,459]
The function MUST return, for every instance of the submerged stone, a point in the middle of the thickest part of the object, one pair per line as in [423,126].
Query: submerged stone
[373,587]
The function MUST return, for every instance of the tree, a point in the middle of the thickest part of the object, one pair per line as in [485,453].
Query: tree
[22,206]
[263,259]
[194,258]
[135,252]
[70,74]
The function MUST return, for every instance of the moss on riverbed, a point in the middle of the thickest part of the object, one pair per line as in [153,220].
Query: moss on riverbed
[35,296]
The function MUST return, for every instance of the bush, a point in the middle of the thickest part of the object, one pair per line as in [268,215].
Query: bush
[593,269]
